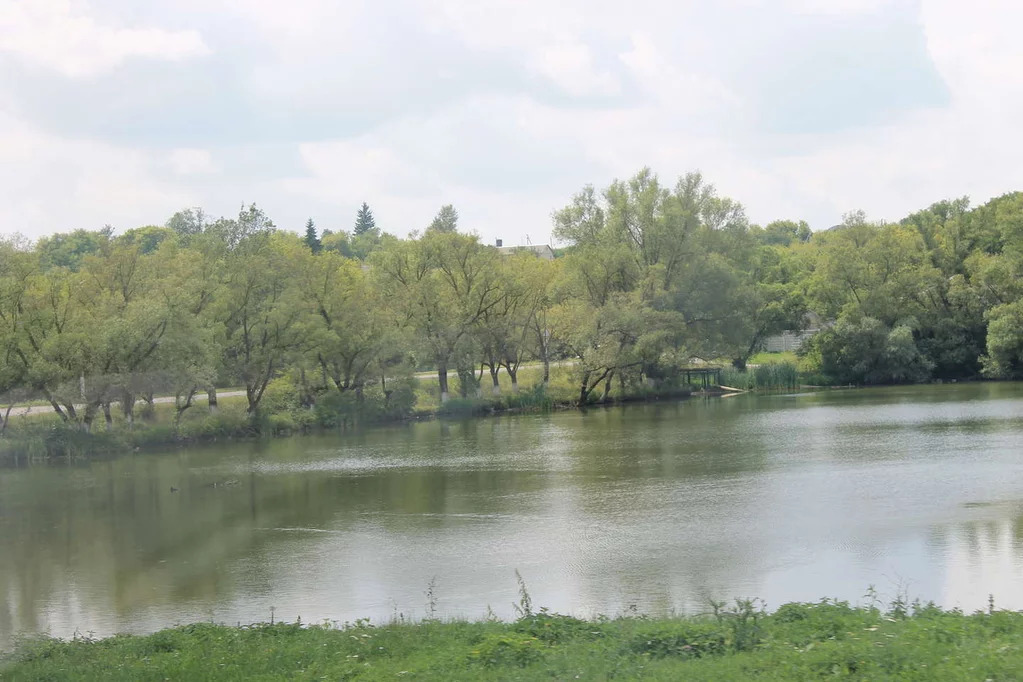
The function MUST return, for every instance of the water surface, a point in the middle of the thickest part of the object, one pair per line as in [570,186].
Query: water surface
[654,507]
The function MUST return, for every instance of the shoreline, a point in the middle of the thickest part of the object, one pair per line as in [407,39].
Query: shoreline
[96,444]
[739,640]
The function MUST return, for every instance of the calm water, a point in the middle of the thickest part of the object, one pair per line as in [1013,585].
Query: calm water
[657,507]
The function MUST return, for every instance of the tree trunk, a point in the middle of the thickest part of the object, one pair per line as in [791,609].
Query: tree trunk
[106,415]
[58,410]
[607,387]
[442,379]
[128,408]
[513,374]
[739,364]
[180,407]
[88,417]
[584,391]
[494,369]
[211,392]
[6,419]
[149,411]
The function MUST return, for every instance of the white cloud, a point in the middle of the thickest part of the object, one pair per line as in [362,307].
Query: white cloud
[505,108]
[56,184]
[61,36]
[192,162]
[570,65]
[837,7]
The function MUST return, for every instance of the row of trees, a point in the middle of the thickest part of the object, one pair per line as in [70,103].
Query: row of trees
[654,276]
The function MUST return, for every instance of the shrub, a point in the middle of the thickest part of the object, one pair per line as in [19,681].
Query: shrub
[464,407]
[684,639]
[281,395]
[507,649]
[551,628]
[535,399]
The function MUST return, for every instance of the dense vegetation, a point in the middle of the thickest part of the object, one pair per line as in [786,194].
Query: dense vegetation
[654,276]
[797,642]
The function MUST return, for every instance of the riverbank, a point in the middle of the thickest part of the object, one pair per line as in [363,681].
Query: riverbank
[738,642]
[43,436]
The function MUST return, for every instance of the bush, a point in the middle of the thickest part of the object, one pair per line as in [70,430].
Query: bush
[464,407]
[683,639]
[774,376]
[551,628]
[507,649]
[347,408]
[865,351]
[535,399]
[281,395]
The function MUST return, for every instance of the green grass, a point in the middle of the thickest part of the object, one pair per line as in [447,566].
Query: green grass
[765,377]
[826,640]
[766,358]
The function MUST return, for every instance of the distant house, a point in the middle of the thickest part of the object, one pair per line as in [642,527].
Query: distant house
[788,340]
[541,250]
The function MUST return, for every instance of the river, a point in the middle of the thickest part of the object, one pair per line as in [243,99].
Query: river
[651,508]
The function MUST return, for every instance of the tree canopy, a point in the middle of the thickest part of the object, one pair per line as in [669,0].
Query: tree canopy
[653,277]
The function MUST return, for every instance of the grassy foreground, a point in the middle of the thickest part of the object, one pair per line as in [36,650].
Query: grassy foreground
[826,640]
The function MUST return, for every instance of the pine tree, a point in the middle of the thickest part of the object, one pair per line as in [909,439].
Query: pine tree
[364,220]
[311,240]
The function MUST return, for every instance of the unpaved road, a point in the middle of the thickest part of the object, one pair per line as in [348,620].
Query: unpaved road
[44,409]
[24,410]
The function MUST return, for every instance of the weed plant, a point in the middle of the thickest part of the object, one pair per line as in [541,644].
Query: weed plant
[738,641]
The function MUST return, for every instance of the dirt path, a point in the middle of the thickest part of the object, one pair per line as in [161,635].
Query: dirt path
[47,409]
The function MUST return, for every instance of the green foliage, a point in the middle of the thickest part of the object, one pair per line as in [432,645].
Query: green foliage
[312,240]
[364,221]
[656,276]
[536,399]
[865,351]
[445,221]
[824,640]
[677,639]
[507,650]
[552,628]
[1004,359]
[464,407]
[769,376]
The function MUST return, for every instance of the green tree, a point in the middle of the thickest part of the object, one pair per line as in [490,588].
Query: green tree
[364,221]
[311,239]
[442,284]
[188,222]
[67,250]
[261,306]
[1004,358]
[446,220]
[865,351]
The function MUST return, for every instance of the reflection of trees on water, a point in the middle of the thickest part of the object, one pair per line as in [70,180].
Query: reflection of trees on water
[114,537]
[662,505]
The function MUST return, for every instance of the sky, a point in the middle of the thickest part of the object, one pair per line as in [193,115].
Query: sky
[122,112]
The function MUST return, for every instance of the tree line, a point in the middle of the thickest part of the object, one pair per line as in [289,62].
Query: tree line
[652,277]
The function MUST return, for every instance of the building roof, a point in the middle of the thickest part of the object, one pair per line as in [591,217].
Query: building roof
[541,250]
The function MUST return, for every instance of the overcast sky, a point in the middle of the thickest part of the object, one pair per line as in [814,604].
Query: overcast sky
[121,112]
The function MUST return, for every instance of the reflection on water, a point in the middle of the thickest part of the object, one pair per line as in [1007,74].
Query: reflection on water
[659,506]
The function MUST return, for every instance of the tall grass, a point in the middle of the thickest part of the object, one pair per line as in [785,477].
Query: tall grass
[768,377]
[800,641]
